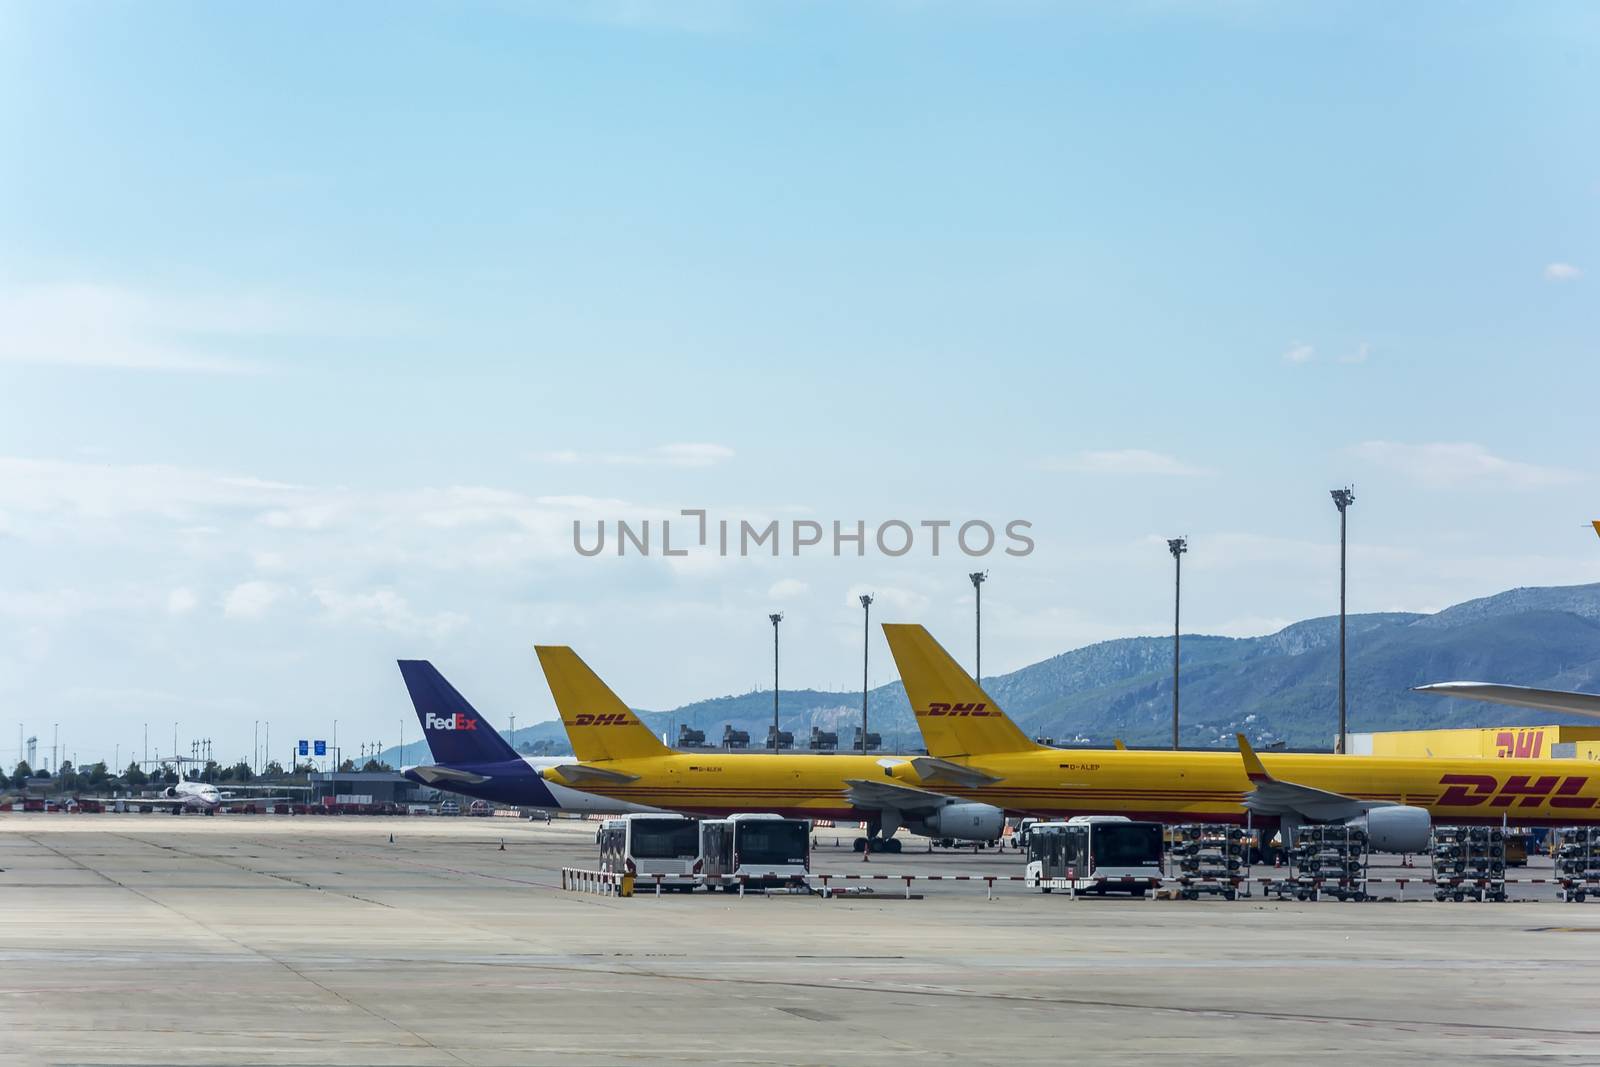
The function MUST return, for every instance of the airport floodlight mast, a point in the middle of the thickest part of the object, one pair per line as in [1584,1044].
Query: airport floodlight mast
[776,618]
[866,640]
[1342,499]
[978,578]
[1177,546]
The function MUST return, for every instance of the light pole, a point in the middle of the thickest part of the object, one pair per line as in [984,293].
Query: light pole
[1342,499]
[1177,546]
[866,639]
[776,618]
[978,578]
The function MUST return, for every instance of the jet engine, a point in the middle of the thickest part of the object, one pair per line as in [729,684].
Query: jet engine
[965,822]
[1400,828]
[170,792]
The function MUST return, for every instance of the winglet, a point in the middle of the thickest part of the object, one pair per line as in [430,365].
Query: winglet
[1253,768]
[1117,741]
[1597,526]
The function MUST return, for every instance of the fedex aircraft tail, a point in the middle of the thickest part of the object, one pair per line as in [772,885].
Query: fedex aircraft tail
[456,733]
[956,716]
[599,724]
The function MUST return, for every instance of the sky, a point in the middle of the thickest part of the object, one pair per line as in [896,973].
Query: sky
[321,325]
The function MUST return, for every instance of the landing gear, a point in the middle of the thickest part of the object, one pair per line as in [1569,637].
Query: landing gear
[878,844]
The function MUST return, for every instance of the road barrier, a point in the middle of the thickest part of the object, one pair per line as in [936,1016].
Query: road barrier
[586,881]
[603,883]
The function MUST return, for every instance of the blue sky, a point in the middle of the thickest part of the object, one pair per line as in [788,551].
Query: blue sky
[319,324]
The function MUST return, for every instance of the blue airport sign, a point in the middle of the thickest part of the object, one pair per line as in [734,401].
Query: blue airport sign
[322,748]
[305,748]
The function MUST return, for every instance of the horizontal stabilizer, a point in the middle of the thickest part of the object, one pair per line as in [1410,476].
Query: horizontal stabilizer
[934,771]
[433,774]
[578,775]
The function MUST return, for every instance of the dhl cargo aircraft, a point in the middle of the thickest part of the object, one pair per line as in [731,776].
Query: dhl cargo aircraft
[1395,800]
[619,757]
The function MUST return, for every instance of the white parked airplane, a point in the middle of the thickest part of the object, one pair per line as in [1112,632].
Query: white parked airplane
[191,796]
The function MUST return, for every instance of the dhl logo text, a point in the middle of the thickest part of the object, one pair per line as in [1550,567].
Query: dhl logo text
[1475,790]
[454,721]
[975,711]
[1519,744]
[615,718]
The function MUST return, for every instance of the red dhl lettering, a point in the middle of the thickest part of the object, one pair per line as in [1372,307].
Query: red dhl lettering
[1519,744]
[1474,790]
[615,718]
[1567,795]
[975,711]
[1530,790]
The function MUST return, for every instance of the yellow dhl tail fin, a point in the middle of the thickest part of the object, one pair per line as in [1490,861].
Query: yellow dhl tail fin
[956,716]
[599,724]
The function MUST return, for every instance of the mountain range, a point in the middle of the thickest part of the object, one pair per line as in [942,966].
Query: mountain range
[1282,687]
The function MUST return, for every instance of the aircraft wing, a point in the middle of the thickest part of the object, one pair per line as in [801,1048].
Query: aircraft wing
[1274,797]
[153,802]
[1519,696]
[881,793]
[580,774]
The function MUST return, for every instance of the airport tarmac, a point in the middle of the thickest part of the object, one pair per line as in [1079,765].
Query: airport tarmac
[271,940]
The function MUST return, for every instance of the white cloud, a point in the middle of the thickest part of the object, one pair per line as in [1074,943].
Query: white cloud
[91,324]
[107,326]
[181,601]
[1125,461]
[251,600]
[1449,465]
[787,589]
[684,454]
[385,609]
[1299,352]
[1363,350]
[1561,272]
[107,490]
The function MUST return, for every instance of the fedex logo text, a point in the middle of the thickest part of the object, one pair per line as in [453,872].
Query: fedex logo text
[975,711]
[615,718]
[1473,790]
[455,721]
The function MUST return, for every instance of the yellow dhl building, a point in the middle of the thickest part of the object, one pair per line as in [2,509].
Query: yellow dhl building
[1502,742]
